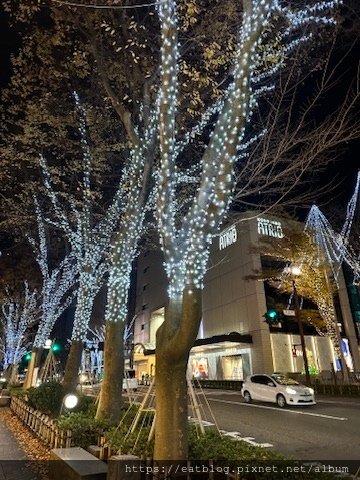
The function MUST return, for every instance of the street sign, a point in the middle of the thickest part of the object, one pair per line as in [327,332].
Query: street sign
[289,313]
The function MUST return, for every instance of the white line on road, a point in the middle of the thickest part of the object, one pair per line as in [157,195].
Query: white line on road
[299,412]
[233,435]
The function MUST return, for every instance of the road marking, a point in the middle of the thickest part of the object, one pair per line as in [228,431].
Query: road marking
[220,392]
[233,435]
[331,417]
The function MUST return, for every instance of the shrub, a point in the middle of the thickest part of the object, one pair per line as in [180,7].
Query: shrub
[46,398]
[85,429]
[135,443]
[19,392]
[86,405]
[212,445]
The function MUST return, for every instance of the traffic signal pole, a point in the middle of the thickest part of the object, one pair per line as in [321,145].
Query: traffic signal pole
[301,332]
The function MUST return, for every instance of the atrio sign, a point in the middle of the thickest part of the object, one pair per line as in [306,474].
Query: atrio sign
[270,228]
[228,237]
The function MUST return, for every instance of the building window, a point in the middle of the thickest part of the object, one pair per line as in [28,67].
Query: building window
[145,287]
[142,327]
[145,306]
[146,269]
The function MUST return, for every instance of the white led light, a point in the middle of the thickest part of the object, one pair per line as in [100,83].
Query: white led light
[70,401]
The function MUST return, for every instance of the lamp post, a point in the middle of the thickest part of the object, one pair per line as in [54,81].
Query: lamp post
[295,271]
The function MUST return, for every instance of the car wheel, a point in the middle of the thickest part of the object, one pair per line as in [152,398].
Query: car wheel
[281,401]
[247,397]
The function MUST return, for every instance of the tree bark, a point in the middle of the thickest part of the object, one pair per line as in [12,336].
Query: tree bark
[73,363]
[33,363]
[174,341]
[13,373]
[110,401]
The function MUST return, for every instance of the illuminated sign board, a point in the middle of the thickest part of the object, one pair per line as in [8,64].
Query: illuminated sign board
[270,228]
[227,237]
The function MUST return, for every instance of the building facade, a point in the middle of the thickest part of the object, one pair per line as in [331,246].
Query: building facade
[233,340]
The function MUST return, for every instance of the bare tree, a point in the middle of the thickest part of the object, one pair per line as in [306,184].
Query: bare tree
[296,141]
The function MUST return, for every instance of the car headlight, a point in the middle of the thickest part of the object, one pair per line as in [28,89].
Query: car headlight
[311,390]
[290,390]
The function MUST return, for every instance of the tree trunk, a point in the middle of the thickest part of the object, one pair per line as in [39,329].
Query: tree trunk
[174,341]
[13,373]
[110,401]
[33,363]
[73,363]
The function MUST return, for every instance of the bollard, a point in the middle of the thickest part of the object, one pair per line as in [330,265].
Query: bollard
[124,467]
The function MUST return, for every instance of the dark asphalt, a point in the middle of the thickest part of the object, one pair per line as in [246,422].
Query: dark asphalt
[328,430]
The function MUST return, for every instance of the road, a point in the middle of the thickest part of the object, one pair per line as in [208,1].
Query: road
[329,430]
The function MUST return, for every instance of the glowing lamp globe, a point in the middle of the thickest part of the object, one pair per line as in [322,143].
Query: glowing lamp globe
[70,401]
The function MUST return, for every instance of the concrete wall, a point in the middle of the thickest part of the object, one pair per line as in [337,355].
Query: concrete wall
[231,301]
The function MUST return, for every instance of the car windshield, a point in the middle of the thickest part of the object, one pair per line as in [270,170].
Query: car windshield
[284,380]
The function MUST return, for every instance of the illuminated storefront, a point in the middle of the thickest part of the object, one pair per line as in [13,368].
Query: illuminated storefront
[234,341]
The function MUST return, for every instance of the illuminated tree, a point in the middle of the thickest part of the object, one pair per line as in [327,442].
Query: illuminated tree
[185,241]
[137,178]
[57,293]
[336,247]
[89,241]
[17,317]
[315,281]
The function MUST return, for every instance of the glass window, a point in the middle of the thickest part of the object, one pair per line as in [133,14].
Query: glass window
[261,379]
[284,380]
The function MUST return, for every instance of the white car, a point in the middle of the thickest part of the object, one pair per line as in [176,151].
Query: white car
[277,389]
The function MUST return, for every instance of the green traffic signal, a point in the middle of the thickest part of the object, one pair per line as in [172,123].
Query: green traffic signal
[56,347]
[272,316]
[27,357]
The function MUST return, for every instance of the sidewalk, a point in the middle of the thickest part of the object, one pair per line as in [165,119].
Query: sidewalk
[13,461]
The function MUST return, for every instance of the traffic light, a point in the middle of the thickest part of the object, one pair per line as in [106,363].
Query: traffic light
[56,347]
[27,357]
[272,316]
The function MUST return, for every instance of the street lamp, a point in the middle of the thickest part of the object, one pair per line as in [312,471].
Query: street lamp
[69,402]
[295,271]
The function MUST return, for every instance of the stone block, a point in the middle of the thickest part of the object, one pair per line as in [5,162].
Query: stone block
[75,464]
[124,467]
[94,450]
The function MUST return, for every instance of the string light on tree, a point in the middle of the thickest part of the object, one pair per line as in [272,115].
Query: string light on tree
[89,242]
[57,291]
[186,248]
[185,237]
[334,246]
[17,317]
